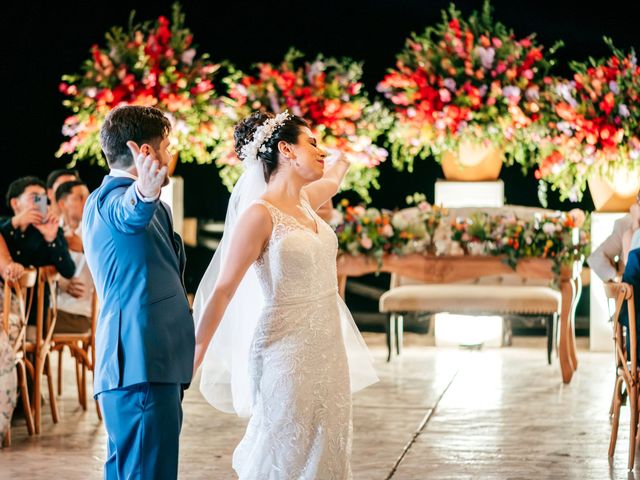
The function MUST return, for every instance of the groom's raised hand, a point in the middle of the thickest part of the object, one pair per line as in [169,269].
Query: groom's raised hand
[151,176]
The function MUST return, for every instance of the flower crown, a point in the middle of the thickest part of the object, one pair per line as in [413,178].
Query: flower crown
[249,151]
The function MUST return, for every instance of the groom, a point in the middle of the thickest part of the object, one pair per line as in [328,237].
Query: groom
[145,332]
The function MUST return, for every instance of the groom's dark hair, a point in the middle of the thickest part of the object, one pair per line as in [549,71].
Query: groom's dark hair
[135,123]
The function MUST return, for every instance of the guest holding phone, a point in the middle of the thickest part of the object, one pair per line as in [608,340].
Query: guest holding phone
[33,234]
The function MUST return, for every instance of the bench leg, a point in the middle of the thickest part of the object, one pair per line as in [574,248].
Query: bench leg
[399,333]
[551,322]
[548,320]
[390,331]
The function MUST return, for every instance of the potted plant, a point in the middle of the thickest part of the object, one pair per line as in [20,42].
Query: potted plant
[466,91]
[593,132]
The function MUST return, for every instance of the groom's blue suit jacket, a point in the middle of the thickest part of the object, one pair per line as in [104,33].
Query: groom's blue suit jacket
[145,330]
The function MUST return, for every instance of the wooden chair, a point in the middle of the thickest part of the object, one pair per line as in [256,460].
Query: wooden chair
[21,290]
[38,348]
[626,371]
[82,349]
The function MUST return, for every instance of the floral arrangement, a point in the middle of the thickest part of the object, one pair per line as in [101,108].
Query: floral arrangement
[594,123]
[329,94]
[466,81]
[363,230]
[474,234]
[417,226]
[561,236]
[154,64]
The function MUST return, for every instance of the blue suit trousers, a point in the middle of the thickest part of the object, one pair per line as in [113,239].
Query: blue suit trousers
[143,423]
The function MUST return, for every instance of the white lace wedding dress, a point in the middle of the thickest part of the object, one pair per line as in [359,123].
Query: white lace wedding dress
[300,428]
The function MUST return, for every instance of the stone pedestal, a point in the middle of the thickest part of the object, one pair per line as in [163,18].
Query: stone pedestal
[173,195]
[451,194]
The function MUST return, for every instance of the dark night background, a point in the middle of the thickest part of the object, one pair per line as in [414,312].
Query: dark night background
[43,40]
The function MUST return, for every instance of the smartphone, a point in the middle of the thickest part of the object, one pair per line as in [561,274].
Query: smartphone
[40,201]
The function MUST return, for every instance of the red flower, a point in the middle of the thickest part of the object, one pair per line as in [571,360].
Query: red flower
[607,103]
[454,24]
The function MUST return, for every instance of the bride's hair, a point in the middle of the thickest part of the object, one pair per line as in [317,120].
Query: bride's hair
[288,132]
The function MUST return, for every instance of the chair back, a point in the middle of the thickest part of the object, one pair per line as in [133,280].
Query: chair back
[46,320]
[626,361]
[20,291]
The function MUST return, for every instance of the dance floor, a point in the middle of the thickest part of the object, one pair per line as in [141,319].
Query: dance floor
[435,414]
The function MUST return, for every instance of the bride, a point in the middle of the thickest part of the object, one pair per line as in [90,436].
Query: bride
[275,340]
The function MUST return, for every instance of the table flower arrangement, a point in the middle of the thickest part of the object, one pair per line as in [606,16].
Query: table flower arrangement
[559,236]
[594,123]
[362,230]
[329,94]
[151,63]
[466,80]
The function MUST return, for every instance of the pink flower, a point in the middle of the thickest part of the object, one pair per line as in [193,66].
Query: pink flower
[366,242]
[424,207]
[187,56]
[578,217]
[445,95]
[387,231]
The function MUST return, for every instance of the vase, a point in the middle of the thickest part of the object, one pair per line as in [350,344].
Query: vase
[473,162]
[615,192]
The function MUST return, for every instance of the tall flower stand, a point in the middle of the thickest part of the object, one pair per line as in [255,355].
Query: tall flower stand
[451,329]
[173,195]
[452,194]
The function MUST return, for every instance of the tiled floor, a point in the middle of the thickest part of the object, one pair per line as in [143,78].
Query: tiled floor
[447,413]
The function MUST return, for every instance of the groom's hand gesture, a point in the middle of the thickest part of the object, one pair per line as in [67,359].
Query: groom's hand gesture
[151,176]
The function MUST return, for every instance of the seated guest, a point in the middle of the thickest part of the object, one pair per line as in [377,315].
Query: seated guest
[70,204]
[603,259]
[54,180]
[33,236]
[74,296]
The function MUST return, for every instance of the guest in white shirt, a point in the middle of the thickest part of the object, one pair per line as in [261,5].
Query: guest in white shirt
[603,260]
[74,297]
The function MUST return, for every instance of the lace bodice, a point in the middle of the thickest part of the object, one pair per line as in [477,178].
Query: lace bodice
[297,264]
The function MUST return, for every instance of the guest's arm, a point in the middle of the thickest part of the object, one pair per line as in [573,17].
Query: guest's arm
[323,189]
[54,249]
[58,252]
[9,270]
[602,259]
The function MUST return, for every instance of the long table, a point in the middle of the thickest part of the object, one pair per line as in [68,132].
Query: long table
[446,269]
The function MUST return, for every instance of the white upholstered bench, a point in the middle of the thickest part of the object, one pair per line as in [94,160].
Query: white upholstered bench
[501,295]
